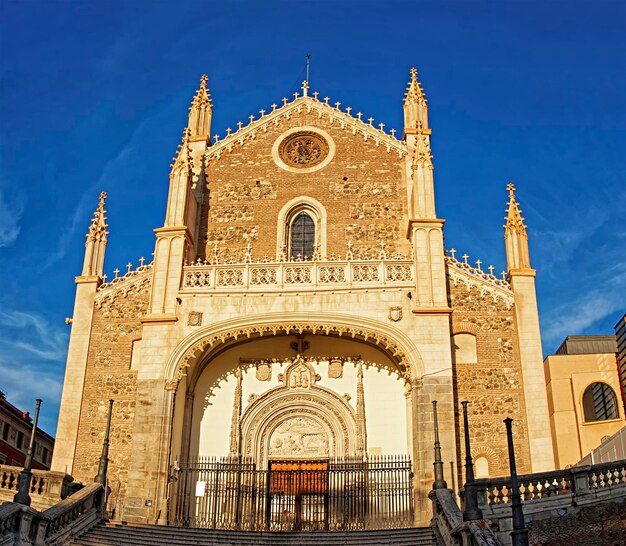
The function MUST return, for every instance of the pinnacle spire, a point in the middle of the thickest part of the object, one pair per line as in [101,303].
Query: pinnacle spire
[514,218]
[415,108]
[96,241]
[201,111]
[515,236]
[414,92]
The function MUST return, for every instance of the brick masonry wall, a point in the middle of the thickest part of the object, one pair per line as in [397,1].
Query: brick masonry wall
[116,326]
[362,189]
[493,385]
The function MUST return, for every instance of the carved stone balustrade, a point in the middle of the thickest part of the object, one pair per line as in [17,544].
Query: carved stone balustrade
[551,494]
[299,276]
[46,488]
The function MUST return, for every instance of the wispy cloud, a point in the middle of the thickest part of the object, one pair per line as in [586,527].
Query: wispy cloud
[582,312]
[10,216]
[32,352]
[88,200]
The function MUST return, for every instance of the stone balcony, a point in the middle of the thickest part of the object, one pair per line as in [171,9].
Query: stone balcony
[298,276]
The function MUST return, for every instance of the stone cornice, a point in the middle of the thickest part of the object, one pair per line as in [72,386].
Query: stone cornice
[485,282]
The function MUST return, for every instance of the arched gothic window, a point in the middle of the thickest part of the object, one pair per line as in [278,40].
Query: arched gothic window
[302,236]
[301,229]
[599,403]
[482,467]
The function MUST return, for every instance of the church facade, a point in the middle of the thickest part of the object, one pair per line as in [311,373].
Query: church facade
[300,309]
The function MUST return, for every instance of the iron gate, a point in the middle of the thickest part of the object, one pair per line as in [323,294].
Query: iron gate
[304,495]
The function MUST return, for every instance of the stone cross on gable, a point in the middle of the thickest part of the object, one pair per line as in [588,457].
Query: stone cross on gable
[453,253]
[262,112]
[465,258]
[393,133]
[296,95]
[129,266]
[326,99]
[370,120]
[337,105]
[359,115]
[491,268]
[142,260]
[315,95]
[381,126]
[239,124]
[117,272]
[228,131]
[348,110]
[285,101]
[251,118]
[478,264]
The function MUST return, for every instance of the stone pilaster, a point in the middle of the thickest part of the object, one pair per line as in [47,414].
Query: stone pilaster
[73,385]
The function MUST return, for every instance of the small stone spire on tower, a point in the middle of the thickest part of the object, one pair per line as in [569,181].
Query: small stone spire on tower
[361,439]
[200,112]
[515,236]
[96,242]
[235,425]
[415,108]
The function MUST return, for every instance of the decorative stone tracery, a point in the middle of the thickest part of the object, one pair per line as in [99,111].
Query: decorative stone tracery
[299,419]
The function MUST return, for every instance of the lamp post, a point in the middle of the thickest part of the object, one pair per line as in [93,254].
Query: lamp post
[439,482]
[519,535]
[22,496]
[470,504]
[101,476]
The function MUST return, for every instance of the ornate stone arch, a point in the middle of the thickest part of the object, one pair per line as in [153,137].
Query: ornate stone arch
[206,341]
[290,210]
[330,420]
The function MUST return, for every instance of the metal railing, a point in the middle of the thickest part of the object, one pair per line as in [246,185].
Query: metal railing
[330,494]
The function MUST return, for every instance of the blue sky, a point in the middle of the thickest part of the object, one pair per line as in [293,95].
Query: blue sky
[94,96]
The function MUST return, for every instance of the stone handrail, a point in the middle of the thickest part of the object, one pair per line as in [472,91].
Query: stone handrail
[9,523]
[299,275]
[70,517]
[572,481]
[46,488]
[449,527]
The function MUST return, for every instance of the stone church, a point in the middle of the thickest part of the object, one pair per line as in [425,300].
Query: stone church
[300,315]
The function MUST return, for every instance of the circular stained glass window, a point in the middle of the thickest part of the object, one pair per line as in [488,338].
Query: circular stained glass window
[303,149]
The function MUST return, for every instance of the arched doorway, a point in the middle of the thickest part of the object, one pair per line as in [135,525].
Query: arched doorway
[305,397]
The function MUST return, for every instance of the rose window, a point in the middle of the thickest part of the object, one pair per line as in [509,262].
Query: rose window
[303,150]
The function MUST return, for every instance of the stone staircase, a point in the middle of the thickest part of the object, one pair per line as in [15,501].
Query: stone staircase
[115,534]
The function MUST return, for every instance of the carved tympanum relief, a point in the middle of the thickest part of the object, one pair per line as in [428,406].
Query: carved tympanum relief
[299,437]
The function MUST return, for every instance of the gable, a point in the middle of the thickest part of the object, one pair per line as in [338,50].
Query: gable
[356,173]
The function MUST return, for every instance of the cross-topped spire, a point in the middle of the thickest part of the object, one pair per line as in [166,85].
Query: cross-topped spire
[415,109]
[200,112]
[96,242]
[515,235]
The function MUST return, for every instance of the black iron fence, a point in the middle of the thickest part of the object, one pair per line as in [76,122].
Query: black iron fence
[304,495]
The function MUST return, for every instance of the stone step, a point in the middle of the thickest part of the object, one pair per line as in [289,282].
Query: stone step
[115,534]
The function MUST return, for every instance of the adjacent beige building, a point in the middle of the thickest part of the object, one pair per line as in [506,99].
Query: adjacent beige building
[300,307]
[583,396]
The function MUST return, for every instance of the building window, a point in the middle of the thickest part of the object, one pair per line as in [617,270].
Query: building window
[302,237]
[5,431]
[464,349]
[20,439]
[301,229]
[482,467]
[599,403]
[3,458]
